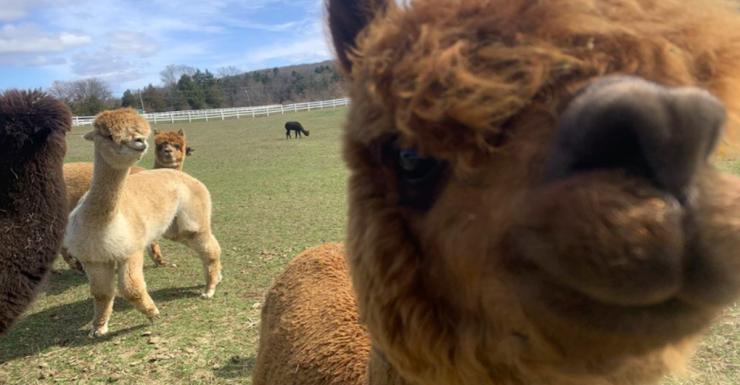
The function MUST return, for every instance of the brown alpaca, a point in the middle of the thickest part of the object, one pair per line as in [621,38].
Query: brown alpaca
[32,206]
[121,214]
[518,213]
[171,149]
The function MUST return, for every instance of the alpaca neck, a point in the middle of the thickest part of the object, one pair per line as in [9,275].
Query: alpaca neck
[105,191]
[179,167]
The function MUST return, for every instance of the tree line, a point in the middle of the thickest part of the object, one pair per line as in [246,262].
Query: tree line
[188,88]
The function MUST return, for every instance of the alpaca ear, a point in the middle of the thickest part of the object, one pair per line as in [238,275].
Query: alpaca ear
[189,151]
[154,131]
[346,19]
[90,135]
[181,132]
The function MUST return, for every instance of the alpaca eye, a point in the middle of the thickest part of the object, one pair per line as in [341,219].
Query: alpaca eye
[420,179]
[413,168]
[177,146]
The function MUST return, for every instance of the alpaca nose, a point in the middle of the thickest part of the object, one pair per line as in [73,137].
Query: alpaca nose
[641,128]
[138,144]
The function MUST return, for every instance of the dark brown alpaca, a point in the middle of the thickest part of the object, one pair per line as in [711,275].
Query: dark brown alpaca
[530,200]
[32,202]
[297,127]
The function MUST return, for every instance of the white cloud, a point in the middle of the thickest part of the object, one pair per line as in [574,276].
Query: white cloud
[30,39]
[128,42]
[313,49]
[16,9]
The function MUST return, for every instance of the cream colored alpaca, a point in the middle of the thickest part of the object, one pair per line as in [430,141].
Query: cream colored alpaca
[122,214]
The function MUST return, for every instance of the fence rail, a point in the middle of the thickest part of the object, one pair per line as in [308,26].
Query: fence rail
[224,113]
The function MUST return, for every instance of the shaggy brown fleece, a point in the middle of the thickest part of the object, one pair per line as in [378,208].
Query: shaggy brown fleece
[171,148]
[32,206]
[314,286]
[516,215]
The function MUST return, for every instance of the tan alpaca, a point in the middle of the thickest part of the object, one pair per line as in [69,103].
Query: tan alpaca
[171,149]
[121,214]
[77,179]
[520,210]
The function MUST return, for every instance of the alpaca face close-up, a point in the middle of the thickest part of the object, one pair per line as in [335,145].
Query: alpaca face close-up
[171,149]
[520,213]
[120,137]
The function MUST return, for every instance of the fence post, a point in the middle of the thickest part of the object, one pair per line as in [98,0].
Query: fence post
[237,114]
[282,111]
[172,118]
[155,118]
[222,114]
[253,112]
[190,118]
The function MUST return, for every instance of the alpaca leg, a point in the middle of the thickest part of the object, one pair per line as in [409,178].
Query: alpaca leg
[209,251]
[103,290]
[132,286]
[72,262]
[156,254]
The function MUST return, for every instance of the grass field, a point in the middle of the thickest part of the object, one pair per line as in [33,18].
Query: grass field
[272,198]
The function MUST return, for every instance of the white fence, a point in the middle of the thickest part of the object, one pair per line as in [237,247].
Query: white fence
[223,113]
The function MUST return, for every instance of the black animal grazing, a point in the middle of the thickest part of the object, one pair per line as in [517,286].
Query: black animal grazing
[294,126]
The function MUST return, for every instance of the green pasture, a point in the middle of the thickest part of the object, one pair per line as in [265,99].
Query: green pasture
[272,198]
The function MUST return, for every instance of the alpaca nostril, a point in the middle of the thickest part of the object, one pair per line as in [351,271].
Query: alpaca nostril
[639,128]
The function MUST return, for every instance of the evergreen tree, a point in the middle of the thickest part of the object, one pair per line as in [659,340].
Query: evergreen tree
[129,99]
[190,90]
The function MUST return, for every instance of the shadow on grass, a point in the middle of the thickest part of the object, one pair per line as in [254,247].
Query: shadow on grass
[61,325]
[236,366]
[61,280]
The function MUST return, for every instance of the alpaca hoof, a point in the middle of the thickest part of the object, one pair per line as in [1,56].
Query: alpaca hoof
[99,332]
[164,264]
[207,294]
[79,268]
[153,315]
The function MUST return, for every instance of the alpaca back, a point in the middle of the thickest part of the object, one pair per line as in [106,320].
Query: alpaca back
[310,321]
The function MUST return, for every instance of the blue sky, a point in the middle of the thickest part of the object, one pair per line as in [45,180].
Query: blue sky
[128,42]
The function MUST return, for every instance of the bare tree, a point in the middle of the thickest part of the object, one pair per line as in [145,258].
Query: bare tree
[172,73]
[228,71]
[86,96]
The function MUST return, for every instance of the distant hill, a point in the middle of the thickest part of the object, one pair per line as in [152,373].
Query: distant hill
[280,85]
[287,84]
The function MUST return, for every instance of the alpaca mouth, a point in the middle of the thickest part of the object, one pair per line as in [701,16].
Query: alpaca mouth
[615,241]
[612,254]
[169,162]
